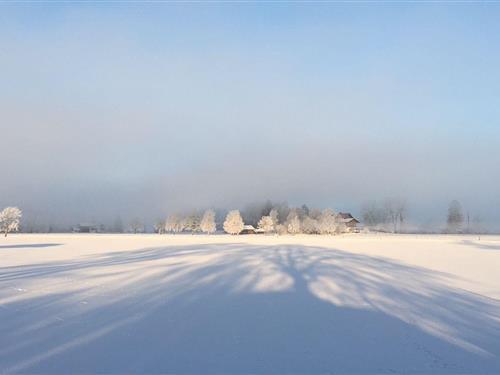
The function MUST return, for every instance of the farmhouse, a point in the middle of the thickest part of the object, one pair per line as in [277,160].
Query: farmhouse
[350,222]
[248,229]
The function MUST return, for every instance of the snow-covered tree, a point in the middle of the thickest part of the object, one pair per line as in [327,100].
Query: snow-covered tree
[266,224]
[293,226]
[10,218]
[207,224]
[281,229]
[174,223]
[292,222]
[234,222]
[315,213]
[192,223]
[340,227]
[309,225]
[327,222]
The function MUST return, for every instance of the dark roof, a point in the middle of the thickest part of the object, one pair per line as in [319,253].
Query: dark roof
[346,216]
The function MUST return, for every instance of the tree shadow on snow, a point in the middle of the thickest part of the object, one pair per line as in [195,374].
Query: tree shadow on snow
[481,245]
[28,246]
[238,308]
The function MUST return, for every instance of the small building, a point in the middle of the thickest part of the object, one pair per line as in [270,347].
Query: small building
[248,229]
[86,228]
[350,221]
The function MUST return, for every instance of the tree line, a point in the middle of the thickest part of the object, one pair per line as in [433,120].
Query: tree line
[267,219]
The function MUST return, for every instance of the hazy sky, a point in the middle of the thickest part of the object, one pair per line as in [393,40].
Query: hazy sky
[141,109]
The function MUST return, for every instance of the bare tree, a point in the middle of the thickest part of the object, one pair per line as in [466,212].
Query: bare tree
[455,217]
[159,226]
[395,210]
[136,225]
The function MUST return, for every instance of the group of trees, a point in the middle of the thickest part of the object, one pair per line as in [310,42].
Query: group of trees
[300,220]
[458,222]
[177,223]
[296,220]
[388,215]
[10,218]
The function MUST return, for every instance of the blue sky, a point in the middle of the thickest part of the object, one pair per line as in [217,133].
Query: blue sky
[147,108]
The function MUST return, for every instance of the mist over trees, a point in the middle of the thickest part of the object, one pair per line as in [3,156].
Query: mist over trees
[455,217]
[388,215]
[136,225]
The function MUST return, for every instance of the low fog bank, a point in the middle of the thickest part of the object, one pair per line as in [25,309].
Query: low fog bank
[137,112]
[245,186]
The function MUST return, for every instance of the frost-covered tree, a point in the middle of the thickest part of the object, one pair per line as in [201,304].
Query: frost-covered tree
[315,213]
[207,224]
[293,226]
[455,217]
[174,223]
[309,225]
[193,223]
[292,215]
[283,211]
[233,223]
[266,224]
[10,218]
[340,227]
[274,217]
[327,222]
[281,229]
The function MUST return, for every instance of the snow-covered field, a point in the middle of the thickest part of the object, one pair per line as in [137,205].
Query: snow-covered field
[259,304]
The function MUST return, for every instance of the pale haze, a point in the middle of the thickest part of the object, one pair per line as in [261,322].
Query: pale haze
[131,110]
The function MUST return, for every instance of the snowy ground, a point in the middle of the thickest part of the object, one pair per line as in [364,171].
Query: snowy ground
[259,304]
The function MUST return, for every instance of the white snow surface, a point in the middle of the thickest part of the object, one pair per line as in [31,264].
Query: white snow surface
[249,304]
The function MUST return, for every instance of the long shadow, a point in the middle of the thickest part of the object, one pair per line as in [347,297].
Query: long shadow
[237,308]
[31,245]
[481,245]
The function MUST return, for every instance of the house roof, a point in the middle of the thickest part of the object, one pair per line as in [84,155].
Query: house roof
[346,217]
[349,220]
